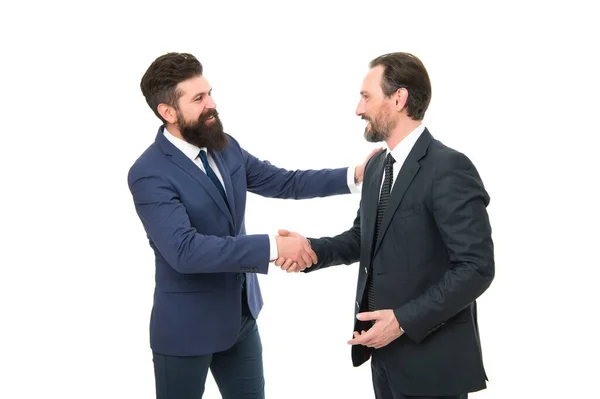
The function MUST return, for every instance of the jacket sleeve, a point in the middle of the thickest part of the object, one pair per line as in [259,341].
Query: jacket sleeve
[267,180]
[343,249]
[459,209]
[168,226]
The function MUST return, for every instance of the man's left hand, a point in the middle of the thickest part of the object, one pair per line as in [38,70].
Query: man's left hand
[385,330]
[359,170]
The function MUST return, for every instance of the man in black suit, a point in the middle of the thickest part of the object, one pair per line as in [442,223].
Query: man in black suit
[423,239]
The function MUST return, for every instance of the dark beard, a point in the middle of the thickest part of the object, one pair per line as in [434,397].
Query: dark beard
[202,134]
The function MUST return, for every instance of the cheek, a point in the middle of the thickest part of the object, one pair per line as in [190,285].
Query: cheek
[383,113]
[192,112]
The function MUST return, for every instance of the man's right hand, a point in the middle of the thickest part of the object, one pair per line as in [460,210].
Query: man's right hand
[295,253]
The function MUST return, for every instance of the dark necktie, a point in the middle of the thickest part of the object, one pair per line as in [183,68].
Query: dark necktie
[211,174]
[383,201]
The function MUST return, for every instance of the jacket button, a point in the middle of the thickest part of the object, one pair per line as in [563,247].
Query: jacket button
[366,271]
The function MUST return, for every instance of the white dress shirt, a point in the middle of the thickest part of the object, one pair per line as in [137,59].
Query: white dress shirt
[192,152]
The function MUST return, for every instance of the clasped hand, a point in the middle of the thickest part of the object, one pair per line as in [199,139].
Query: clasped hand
[295,253]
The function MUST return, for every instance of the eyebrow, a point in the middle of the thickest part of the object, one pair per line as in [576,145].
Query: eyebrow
[201,94]
[363,93]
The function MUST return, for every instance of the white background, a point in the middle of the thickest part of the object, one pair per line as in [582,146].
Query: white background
[515,87]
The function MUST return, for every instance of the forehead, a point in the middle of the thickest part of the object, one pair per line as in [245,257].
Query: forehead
[194,86]
[372,81]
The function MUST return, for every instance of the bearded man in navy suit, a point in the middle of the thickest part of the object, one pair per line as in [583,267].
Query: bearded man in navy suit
[189,190]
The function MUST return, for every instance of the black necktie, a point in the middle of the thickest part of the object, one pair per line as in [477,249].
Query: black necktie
[211,174]
[383,201]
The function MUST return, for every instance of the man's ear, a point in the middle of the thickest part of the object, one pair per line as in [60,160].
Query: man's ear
[167,112]
[401,98]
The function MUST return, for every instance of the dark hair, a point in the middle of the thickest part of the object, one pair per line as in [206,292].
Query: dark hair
[159,83]
[404,70]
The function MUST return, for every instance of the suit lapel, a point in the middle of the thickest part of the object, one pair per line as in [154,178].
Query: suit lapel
[179,159]
[371,198]
[227,180]
[405,177]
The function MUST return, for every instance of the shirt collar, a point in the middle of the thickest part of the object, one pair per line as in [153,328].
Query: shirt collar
[402,149]
[189,150]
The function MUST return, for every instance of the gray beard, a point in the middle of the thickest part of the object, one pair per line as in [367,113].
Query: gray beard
[375,136]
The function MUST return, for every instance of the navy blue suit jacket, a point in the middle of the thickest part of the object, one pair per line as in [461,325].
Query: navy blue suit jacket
[200,244]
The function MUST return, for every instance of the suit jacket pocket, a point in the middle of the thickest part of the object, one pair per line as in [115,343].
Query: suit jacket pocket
[463,316]
[408,210]
[236,171]
[189,285]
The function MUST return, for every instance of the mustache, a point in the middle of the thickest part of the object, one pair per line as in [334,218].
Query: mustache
[208,114]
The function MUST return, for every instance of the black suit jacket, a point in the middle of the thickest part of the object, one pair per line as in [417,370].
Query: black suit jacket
[434,256]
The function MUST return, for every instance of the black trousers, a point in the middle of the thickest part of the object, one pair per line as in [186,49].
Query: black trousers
[385,390]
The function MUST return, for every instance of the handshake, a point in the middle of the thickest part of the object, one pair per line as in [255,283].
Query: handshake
[295,253]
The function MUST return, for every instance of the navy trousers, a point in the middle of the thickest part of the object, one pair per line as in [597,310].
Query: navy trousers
[237,371]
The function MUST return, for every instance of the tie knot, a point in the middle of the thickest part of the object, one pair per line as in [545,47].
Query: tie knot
[202,154]
[389,159]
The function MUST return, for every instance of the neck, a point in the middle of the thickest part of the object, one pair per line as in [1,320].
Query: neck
[399,133]
[174,130]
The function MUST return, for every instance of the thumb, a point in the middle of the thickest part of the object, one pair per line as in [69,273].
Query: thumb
[375,151]
[283,232]
[367,316]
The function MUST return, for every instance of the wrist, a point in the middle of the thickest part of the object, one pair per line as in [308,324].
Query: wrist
[400,329]
[274,252]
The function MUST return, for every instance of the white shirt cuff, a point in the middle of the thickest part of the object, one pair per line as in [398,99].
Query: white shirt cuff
[274,254]
[350,179]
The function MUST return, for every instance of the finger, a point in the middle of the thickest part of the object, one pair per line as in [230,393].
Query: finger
[369,338]
[280,261]
[363,339]
[283,232]
[307,260]
[312,254]
[356,335]
[287,264]
[295,268]
[357,341]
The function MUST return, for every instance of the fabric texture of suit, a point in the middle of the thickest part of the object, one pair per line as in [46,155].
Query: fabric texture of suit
[202,252]
[433,257]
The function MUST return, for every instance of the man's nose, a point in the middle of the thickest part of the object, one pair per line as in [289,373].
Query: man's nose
[360,109]
[210,104]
